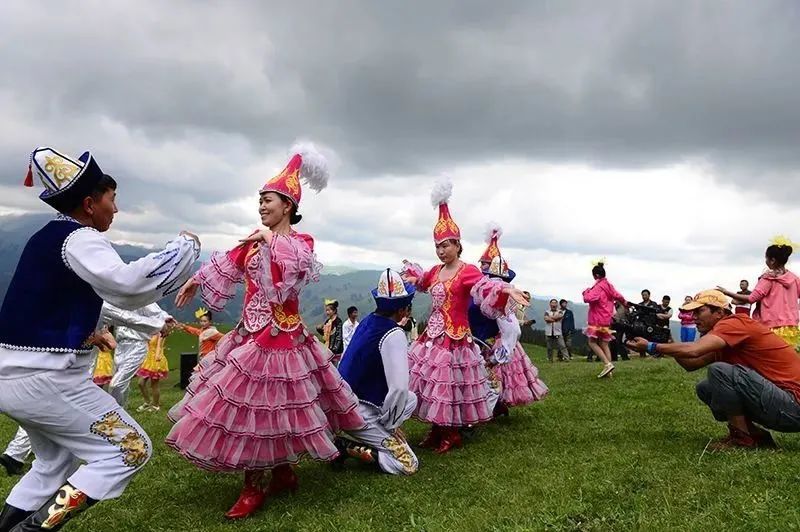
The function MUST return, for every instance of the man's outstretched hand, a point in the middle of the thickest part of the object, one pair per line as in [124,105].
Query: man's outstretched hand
[638,344]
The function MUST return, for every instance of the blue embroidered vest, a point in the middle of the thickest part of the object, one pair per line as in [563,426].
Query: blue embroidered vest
[47,307]
[362,366]
[482,328]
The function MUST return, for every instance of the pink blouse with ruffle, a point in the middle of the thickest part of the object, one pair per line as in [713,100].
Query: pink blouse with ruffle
[450,299]
[274,275]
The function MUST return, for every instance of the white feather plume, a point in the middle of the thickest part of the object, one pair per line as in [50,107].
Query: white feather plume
[315,170]
[492,229]
[442,190]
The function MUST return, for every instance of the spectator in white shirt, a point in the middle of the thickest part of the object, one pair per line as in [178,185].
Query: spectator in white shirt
[552,332]
[349,326]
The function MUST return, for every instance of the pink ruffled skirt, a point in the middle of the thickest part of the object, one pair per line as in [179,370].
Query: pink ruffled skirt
[450,381]
[255,408]
[521,384]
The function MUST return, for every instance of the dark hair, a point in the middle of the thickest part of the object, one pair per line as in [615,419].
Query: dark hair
[646,290]
[780,254]
[599,271]
[104,184]
[208,315]
[350,310]
[554,299]
[334,306]
[667,298]
[388,313]
[294,217]
[563,301]
[744,281]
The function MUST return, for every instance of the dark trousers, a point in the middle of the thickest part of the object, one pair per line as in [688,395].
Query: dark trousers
[735,390]
[617,347]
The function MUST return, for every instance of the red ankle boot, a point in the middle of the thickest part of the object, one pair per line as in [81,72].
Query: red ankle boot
[283,479]
[251,498]
[451,437]
[432,439]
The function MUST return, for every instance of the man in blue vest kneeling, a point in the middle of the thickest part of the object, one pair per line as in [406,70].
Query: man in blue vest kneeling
[375,365]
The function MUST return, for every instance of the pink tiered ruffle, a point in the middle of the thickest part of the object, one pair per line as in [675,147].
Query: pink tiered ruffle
[254,408]
[520,378]
[488,295]
[218,279]
[450,381]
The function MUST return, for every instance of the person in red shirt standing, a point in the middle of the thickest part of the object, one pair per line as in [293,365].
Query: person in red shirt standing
[753,376]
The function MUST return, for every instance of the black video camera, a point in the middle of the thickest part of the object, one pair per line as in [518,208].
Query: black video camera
[642,322]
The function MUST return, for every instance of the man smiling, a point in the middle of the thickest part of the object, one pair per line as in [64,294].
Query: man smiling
[753,375]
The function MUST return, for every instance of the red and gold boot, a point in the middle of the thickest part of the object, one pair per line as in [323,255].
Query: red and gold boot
[61,507]
[251,497]
[283,479]
[451,437]
[432,439]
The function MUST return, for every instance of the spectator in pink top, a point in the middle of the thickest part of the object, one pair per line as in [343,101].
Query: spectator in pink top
[688,326]
[776,294]
[601,297]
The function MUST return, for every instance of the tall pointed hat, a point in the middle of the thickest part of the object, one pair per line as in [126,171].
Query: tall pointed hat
[305,163]
[445,228]
[493,234]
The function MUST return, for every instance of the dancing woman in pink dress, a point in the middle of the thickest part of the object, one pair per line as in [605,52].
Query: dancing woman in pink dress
[268,394]
[601,297]
[447,370]
[509,367]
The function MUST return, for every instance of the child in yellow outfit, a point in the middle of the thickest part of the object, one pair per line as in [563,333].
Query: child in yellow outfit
[154,369]
[103,368]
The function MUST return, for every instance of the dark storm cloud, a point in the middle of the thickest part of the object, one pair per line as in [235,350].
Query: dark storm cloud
[186,96]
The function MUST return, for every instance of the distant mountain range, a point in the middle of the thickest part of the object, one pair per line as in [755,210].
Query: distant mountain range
[348,286]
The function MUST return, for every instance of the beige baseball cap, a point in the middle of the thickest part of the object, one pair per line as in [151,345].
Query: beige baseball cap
[712,298]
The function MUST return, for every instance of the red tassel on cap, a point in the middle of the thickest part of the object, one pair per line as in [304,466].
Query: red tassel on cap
[29,177]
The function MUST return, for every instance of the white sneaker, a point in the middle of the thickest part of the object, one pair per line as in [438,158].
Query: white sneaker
[143,408]
[154,408]
[606,371]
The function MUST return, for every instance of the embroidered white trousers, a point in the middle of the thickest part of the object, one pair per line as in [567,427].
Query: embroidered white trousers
[394,453]
[71,421]
[128,358]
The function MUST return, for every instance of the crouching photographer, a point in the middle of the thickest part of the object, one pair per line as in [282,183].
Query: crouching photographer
[753,379]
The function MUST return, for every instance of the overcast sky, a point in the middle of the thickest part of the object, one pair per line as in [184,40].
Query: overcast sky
[664,136]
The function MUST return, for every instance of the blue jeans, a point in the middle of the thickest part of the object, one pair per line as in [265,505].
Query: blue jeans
[688,334]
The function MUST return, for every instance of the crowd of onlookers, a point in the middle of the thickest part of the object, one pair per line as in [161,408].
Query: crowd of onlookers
[559,324]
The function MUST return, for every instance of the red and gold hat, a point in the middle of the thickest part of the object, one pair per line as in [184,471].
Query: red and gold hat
[445,228]
[306,163]
[493,234]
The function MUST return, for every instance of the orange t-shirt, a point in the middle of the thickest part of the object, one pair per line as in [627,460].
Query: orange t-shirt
[208,338]
[751,344]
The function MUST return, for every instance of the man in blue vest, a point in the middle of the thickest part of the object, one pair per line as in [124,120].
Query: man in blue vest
[87,447]
[375,366]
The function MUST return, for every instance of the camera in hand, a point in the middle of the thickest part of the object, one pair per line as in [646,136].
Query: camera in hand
[641,321]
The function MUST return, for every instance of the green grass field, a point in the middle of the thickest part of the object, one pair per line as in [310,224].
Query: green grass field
[620,454]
